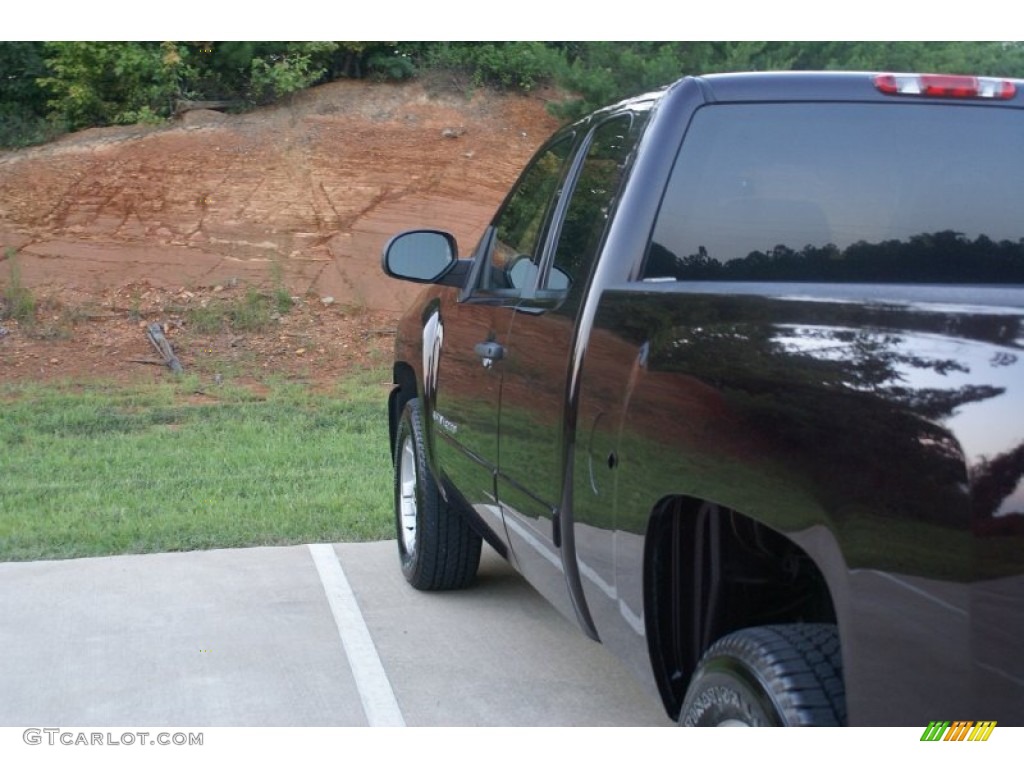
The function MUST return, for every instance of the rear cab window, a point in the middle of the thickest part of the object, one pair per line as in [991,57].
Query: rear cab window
[844,192]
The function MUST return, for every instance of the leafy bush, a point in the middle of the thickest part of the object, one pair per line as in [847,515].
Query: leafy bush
[47,87]
[99,83]
[22,100]
[279,74]
[601,73]
[512,65]
[20,127]
[391,66]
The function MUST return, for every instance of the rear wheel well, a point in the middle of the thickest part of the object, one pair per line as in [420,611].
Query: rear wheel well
[710,571]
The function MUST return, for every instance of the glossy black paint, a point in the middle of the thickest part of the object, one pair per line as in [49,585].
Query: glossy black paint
[863,439]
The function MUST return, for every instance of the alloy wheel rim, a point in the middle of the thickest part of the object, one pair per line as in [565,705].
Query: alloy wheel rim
[407,497]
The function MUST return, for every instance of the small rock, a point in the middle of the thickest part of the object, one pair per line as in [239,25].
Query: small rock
[54,361]
[453,133]
[300,351]
[218,288]
[327,301]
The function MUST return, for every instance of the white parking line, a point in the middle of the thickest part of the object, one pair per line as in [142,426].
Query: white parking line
[379,703]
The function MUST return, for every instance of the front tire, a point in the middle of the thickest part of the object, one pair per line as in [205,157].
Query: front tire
[437,547]
[790,674]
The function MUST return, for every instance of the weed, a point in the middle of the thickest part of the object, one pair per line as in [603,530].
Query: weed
[253,313]
[53,330]
[282,301]
[281,295]
[206,320]
[19,303]
[135,311]
[56,321]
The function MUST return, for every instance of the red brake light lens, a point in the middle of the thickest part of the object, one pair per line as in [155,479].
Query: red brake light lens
[946,86]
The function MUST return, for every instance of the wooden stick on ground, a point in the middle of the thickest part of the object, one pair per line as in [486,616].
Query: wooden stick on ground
[163,347]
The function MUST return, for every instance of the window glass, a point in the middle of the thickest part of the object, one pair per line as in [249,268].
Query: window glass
[522,223]
[593,197]
[847,193]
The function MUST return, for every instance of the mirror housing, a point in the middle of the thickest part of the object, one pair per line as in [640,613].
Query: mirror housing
[424,256]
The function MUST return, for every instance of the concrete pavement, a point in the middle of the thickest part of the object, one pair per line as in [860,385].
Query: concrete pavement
[248,637]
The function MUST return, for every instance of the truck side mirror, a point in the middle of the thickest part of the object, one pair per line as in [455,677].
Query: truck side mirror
[421,256]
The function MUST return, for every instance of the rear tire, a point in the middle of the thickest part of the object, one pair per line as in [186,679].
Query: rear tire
[790,674]
[436,546]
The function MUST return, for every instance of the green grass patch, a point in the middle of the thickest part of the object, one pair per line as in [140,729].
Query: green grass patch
[92,470]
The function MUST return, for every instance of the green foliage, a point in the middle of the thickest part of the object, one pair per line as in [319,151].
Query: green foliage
[99,83]
[21,127]
[511,65]
[22,100]
[603,72]
[299,66]
[357,59]
[55,86]
[391,66]
[20,64]
[989,58]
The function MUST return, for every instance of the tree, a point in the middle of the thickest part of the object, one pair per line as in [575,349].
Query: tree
[99,83]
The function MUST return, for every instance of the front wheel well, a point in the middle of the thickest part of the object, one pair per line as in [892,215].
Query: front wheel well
[404,378]
[710,571]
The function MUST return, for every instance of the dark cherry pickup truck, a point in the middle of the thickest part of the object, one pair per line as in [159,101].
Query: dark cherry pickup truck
[735,379]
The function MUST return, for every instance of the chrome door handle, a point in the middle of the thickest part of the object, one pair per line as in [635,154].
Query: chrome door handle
[489,351]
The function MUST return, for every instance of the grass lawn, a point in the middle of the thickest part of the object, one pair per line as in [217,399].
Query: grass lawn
[98,469]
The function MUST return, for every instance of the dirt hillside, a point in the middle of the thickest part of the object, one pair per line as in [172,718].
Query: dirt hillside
[115,227]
